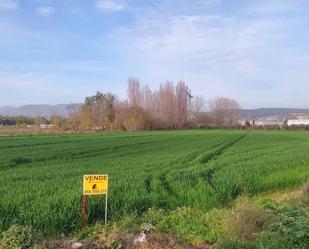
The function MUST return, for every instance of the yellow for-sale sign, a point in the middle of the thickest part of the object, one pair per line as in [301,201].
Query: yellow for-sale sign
[95,185]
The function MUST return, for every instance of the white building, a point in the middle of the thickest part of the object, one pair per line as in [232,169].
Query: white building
[298,119]
[47,126]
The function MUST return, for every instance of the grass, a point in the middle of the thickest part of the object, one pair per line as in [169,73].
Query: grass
[41,175]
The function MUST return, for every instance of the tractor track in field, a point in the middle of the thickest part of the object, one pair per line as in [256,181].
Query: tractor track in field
[166,185]
[213,155]
[217,151]
[192,158]
[147,183]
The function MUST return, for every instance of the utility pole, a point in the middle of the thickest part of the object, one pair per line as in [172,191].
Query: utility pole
[190,97]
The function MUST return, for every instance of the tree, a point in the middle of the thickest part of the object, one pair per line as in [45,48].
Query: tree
[98,111]
[134,92]
[74,120]
[57,120]
[109,109]
[224,111]
[181,103]
[38,120]
[86,117]
[129,118]
[167,105]
[198,108]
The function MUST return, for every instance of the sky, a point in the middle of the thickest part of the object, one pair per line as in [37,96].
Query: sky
[60,51]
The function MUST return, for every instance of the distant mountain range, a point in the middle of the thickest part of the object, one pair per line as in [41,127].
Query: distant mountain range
[36,110]
[280,113]
[63,110]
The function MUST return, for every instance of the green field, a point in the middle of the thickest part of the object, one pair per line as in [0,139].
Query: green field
[41,175]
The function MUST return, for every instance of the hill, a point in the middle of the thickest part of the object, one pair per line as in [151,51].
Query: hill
[282,113]
[36,110]
[63,110]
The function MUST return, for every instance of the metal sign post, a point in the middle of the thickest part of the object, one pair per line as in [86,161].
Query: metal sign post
[94,185]
[105,209]
[85,211]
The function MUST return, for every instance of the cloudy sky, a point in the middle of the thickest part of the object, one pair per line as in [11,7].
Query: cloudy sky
[59,51]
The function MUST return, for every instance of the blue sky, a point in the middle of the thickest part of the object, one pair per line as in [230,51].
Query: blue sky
[59,51]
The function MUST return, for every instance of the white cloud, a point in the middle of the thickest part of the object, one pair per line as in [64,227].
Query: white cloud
[256,53]
[8,5]
[216,54]
[110,5]
[45,10]
[212,42]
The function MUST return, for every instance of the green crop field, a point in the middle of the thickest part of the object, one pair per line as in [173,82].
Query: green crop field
[41,175]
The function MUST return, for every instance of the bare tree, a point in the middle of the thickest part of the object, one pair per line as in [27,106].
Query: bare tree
[86,118]
[224,111]
[74,120]
[129,118]
[198,108]
[167,104]
[181,103]
[134,92]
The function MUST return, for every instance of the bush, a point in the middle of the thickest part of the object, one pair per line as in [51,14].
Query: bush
[290,228]
[19,237]
[110,239]
[247,220]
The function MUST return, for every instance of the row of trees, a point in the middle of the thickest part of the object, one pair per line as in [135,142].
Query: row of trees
[6,120]
[169,107]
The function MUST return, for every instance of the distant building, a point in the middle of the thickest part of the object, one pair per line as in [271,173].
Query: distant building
[243,122]
[265,121]
[298,119]
[47,126]
[268,122]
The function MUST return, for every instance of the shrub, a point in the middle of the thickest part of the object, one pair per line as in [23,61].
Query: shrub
[246,221]
[290,229]
[19,237]
[110,239]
